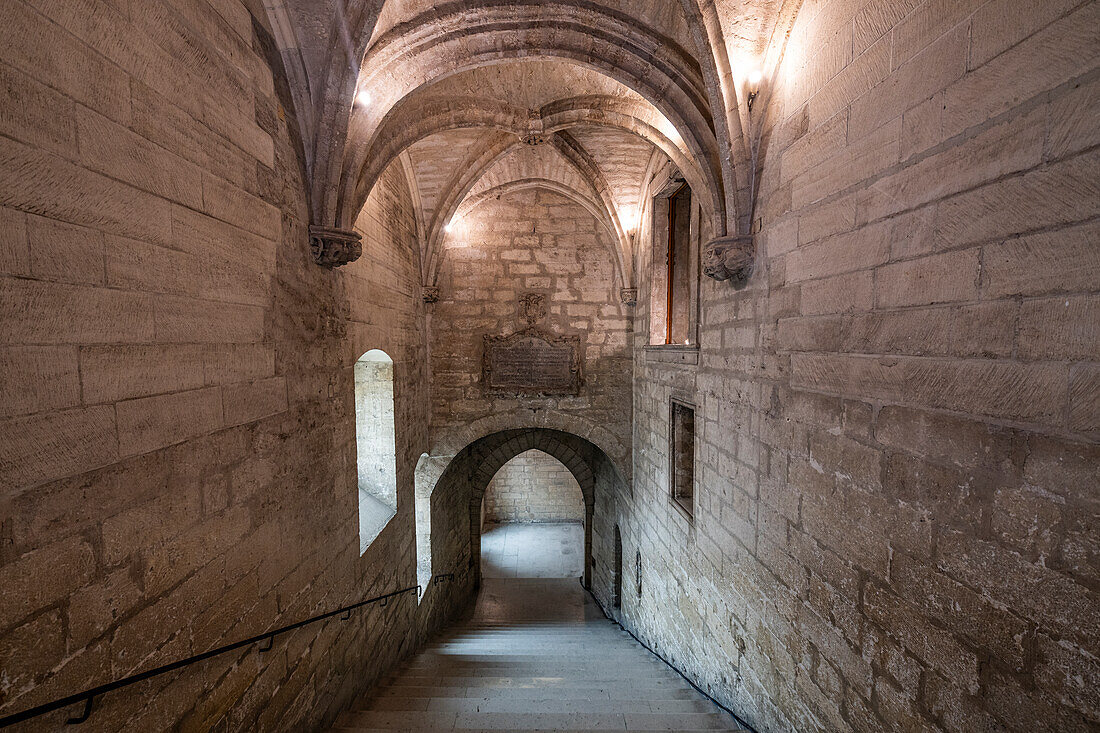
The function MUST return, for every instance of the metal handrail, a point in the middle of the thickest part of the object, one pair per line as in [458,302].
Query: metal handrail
[89,695]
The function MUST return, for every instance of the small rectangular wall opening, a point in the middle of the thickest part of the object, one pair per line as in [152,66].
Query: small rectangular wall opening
[682,456]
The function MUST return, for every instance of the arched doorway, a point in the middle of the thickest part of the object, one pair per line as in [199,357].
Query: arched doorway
[473,468]
[532,520]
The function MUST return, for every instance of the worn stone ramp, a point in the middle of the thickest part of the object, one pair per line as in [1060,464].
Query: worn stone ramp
[535,655]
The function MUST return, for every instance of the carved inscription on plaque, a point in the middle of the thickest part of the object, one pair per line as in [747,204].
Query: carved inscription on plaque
[532,363]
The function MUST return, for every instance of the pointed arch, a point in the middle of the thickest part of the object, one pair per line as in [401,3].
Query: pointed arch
[474,466]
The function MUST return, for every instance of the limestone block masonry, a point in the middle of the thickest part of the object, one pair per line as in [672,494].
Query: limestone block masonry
[177,454]
[526,242]
[894,382]
[897,423]
[534,487]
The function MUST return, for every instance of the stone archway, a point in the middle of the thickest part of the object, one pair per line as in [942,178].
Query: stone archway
[474,466]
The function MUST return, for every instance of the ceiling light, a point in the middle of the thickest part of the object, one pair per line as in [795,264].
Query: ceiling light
[363,98]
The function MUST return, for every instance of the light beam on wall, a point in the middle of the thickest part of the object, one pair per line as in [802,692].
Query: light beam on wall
[628,217]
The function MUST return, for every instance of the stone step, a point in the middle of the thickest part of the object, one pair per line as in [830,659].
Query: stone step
[487,663]
[486,653]
[534,674]
[601,692]
[501,661]
[520,626]
[548,681]
[542,678]
[358,729]
[530,646]
[534,721]
[534,705]
[606,634]
[547,674]
[562,649]
[532,630]
[548,640]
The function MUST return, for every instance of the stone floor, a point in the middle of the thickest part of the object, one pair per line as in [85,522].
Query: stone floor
[536,653]
[532,550]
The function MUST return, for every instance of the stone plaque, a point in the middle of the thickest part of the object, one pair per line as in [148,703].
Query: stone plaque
[532,362]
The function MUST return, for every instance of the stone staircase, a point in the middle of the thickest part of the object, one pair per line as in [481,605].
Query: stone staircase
[535,655]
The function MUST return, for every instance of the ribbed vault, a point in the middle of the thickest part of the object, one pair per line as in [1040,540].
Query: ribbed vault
[602,83]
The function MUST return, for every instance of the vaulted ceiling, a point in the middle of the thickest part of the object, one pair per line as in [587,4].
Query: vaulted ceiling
[474,97]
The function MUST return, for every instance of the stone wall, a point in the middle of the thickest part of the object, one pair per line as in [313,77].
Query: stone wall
[522,242]
[896,417]
[894,516]
[531,241]
[177,431]
[534,487]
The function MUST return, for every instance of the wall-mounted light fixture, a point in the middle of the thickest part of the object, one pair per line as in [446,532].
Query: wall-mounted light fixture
[752,84]
[363,98]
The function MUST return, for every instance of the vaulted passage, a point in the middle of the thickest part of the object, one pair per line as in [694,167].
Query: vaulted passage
[478,466]
[417,364]
[532,520]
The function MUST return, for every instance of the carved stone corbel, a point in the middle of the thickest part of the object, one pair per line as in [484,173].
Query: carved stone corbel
[334,247]
[429,294]
[728,258]
[629,296]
